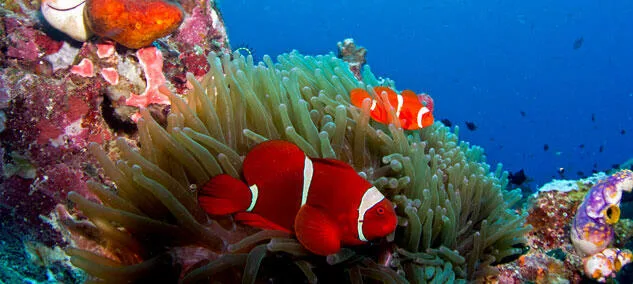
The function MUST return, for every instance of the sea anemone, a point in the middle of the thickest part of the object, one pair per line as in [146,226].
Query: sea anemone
[455,218]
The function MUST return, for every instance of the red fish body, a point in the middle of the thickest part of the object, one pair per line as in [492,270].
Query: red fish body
[323,201]
[412,111]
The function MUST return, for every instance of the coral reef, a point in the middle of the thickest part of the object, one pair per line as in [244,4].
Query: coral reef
[552,256]
[354,55]
[592,228]
[455,219]
[52,105]
[56,96]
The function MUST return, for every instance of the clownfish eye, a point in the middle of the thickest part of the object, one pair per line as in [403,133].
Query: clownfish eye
[380,210]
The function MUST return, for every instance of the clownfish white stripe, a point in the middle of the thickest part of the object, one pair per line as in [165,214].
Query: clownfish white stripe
[373,105]
[421,113]
[254,195]
[370,198]
[400,103]
[307,179]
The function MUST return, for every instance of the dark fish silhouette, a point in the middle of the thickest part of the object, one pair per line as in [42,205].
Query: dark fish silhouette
[447,122]
[471,125]
[578,43]
[593,117]
[523,113]
[622,131]
[581,146]
[545,147]
[601,148]
[517,178]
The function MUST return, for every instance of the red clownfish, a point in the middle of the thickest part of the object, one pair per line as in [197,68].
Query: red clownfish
[410,108]
[323,201]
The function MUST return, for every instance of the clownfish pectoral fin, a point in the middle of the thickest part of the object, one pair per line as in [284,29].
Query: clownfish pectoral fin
[316,232]
[224,195]
[258,221]
[357,96]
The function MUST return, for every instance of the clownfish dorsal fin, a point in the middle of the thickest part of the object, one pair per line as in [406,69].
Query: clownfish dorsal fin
[409,93]
[224,195]
[256,166]
[316,231]
[332,162]
[258,221]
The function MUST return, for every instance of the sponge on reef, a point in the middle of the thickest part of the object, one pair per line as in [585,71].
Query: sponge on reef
[135,23]
[455,217]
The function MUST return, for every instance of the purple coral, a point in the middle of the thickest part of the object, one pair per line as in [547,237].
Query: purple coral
[592,229]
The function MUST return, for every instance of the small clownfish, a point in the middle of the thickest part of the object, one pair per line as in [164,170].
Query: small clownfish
[410,108]
[323,201]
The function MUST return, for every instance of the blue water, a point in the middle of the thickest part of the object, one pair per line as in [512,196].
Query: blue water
[486,62]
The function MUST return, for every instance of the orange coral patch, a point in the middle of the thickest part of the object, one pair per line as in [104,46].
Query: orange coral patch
[133,23]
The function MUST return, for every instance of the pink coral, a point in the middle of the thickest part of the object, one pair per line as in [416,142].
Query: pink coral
[151,60]
[105,49]
[85,68]
[110,75]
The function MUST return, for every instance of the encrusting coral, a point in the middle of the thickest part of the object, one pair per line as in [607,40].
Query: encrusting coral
[455,218]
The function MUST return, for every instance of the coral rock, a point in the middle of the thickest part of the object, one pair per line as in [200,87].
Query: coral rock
[134,24]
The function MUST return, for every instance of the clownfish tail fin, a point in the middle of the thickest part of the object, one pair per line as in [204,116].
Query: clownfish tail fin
[224,195]
[357,96]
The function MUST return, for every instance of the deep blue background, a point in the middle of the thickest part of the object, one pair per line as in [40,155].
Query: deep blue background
[483,62]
